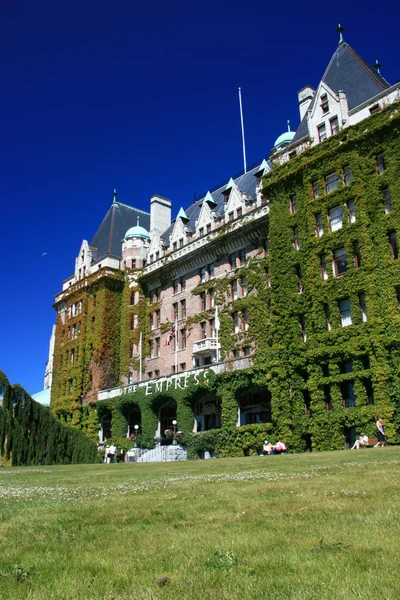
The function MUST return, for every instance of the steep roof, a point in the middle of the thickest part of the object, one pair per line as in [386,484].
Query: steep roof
[119,218]
[349,72]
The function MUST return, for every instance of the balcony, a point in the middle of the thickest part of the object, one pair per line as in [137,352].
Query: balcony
[205,347]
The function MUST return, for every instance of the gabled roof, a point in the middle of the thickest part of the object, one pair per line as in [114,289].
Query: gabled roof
[119,218]
[347,71]
[246,184]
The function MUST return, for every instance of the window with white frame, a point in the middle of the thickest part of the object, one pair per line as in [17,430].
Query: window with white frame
[339,261]
[242,256]
[232,261]
[345,312]
[292,204]
[183,283]
[203,326]
[211,270]
[203,275]
[335,218]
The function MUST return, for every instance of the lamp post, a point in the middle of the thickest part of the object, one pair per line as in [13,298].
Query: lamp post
[174,442]
[136,428]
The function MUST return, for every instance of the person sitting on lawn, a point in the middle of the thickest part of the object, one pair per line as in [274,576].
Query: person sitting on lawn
[268,447]
[362,441]
[280,448]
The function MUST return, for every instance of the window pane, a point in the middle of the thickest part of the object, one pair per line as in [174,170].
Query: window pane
[336,218]
[352,211]
[387,201]
[331,182]
[345,312]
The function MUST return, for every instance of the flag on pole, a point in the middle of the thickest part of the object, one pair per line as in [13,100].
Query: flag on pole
[170,336]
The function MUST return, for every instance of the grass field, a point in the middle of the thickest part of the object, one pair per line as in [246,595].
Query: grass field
[310,526]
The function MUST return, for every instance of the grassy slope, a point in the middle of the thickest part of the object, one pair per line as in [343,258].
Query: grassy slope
[302,527]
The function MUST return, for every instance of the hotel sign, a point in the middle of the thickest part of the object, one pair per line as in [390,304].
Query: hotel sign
[165,384]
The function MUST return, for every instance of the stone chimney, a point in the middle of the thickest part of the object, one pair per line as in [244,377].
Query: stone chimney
[305,95]
[160,215]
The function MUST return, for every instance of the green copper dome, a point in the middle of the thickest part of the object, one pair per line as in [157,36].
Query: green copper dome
[137,232]
[284,139]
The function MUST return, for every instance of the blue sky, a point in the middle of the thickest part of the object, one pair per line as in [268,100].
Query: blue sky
[98,95]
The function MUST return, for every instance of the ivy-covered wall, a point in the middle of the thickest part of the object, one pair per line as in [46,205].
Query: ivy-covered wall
[30,435]
[303,355]
[307,378]
[93,334]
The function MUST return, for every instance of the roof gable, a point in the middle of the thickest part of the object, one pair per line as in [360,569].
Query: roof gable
[349,72]
[119,218]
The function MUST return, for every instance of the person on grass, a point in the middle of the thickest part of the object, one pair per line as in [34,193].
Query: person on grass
[362,441]
[381,433]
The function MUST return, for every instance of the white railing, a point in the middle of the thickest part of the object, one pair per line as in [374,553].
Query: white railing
[205,345]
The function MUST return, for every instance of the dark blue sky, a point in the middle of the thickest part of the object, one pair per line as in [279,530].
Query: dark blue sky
[97,95]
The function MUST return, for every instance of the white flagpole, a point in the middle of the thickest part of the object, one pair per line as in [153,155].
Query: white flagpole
[140,356]
[176,345]
[241,119]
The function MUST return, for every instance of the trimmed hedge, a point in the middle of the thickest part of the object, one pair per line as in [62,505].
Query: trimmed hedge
[30,435]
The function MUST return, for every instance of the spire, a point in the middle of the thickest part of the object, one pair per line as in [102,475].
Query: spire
[182,215]
[288,125]
[137,222]
[340,30]
[377,66]
[114,196]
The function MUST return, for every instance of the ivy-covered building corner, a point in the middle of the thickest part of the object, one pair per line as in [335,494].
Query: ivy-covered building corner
[269,308]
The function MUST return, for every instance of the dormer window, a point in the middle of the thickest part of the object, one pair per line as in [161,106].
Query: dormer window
[181,243]
[324,104]
[321,132]
[208,228]
[230,216]
[174,246]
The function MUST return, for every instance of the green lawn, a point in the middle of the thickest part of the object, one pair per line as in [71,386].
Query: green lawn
[309,526]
